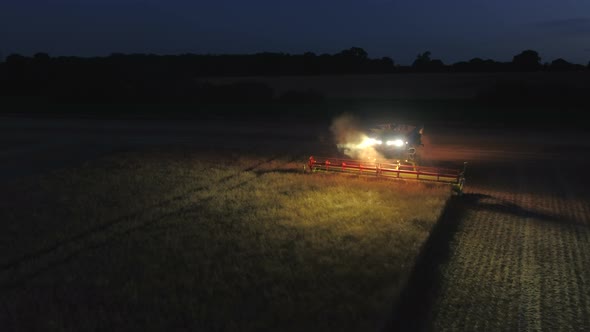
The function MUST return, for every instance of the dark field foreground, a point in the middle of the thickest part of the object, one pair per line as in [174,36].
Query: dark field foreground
[212,226]
[179,236]
[182,240]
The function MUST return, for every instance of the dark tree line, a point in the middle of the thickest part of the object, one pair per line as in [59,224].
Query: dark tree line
[526,61]
[351,61]
[163,78]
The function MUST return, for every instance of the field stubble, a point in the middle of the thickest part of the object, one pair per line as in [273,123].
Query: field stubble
[520,253]
[177,240]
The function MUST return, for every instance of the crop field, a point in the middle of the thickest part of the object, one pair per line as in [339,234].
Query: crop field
[161,228]
[208,241]
[516,254]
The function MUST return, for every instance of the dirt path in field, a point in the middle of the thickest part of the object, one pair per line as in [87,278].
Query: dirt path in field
[513,253]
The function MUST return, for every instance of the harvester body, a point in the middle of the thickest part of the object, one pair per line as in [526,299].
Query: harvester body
[396,141]
[397,146]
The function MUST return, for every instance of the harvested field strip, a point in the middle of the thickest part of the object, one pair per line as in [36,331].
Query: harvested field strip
[520,258]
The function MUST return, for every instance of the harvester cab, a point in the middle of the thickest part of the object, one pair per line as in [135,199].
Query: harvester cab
[397,141]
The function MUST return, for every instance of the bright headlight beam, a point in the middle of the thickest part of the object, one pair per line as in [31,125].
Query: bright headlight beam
[372,141]
[397,142]
[368,142]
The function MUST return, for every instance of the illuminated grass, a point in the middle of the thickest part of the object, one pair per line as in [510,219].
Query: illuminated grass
[168,241]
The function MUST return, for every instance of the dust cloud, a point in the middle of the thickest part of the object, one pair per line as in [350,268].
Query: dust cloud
[351,140]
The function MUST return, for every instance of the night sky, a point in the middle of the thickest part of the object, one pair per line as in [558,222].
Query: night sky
[453,30]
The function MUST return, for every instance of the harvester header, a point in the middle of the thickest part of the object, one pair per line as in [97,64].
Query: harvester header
[391,170]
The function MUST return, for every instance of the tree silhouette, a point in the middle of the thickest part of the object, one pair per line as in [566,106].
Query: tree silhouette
[422,60]
[561,65]
[387,61]
[42,57]
[352,60]
[355,52]
[16,60]
[527,60]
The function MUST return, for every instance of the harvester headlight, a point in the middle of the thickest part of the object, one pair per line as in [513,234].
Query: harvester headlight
[373,141]
[397,142]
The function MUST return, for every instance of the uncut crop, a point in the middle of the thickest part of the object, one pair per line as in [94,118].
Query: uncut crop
[178,240]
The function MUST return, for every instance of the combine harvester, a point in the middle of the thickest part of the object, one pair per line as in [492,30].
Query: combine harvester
[392,141]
